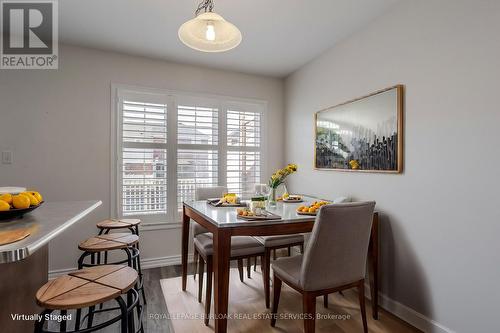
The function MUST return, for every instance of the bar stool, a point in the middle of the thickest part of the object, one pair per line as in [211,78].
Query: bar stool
[126,242]
[119,224]
[88,288]
[107,225]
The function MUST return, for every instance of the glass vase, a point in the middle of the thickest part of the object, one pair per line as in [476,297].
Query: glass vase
[272,197]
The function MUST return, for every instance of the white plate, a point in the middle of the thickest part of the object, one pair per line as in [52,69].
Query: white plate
[12,189]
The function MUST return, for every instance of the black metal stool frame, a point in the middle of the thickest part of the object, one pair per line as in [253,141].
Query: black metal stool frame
[132,261]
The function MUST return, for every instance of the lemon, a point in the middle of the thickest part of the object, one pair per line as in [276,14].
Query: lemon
[4,206]
[6,197]
[20,201]
[33,201]
[36,194]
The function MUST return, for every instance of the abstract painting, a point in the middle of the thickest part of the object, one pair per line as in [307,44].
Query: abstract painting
[365,134]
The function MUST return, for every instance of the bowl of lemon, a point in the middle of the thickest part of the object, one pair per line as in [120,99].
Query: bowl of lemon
[14,203]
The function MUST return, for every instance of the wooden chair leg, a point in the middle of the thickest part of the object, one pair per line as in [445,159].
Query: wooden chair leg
[195,262]
[240,269]
[255,264]
[266,268]
[309,305]
[289,251]
[274,254]
[361,293]
[201,267]
[325,301]
[262,264]
[208,298]
[302,248]
[276,299]
[249,267]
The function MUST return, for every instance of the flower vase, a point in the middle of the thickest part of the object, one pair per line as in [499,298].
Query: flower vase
[272,197]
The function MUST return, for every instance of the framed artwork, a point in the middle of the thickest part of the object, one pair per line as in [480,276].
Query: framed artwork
[363,135]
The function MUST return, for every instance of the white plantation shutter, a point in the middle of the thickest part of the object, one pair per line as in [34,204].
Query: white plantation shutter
[198,150]
[168,145]
[143,158]
[243,150]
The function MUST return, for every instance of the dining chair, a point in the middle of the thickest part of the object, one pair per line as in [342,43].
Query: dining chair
[334,259]
[242,247]
[204,193]
[273,243]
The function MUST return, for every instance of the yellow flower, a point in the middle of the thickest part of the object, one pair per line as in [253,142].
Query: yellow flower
[279,176]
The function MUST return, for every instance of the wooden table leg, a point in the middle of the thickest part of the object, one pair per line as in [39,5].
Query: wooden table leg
[185,244]
[373,265]
[222,253]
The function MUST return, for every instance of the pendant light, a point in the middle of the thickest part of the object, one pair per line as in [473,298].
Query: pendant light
[208,31]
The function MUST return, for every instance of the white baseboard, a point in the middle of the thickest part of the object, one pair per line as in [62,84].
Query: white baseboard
[402,311]
[145,264]
[58,272]
[163,261]
[409,315]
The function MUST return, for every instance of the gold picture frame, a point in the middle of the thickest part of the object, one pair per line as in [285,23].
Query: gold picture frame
[371,146]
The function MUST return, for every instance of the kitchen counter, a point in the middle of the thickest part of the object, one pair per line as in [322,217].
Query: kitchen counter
[24,264]
[48,221]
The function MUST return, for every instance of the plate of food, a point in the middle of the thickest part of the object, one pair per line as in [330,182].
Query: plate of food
[291,198]
[228,200]
[247,214]
[312,209]
[15,205]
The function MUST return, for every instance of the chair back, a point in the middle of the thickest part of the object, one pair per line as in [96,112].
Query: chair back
[204,193]
[337,249]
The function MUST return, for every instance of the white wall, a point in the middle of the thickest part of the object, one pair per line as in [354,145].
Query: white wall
[440,218]
[57,123]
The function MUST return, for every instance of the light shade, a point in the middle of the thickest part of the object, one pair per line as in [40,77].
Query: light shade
[209,32]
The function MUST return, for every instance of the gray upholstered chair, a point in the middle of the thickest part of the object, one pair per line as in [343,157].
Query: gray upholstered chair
[273,243]
[241,247]
[334,259]
[204,193]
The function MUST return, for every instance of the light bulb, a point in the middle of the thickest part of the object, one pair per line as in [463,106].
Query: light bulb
[210,33]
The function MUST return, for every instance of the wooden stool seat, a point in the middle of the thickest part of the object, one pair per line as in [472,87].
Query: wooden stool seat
[118,224]
[108,242]
[86,287]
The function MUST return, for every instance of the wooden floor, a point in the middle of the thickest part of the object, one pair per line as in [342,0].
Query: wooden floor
[155,317]
[248,313]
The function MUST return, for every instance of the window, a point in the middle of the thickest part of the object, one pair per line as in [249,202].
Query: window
[168,145]
[197,155]
[243,155]
[144,158]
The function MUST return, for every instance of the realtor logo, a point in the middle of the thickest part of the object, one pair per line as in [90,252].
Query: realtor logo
[29,34]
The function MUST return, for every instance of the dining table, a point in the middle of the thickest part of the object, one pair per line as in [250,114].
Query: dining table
[224,223]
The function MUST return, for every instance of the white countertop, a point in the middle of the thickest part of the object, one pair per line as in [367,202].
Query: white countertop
[48,221]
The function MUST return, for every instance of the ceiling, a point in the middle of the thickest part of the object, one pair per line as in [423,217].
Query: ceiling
[279,36]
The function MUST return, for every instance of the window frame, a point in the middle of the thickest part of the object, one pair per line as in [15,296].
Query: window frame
[172,99]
